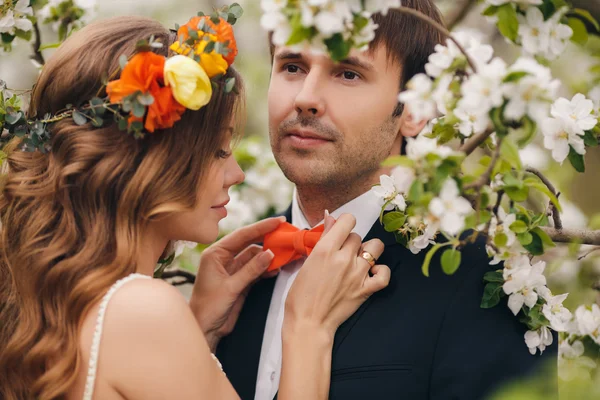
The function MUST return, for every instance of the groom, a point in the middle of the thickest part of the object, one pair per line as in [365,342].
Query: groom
[331,125]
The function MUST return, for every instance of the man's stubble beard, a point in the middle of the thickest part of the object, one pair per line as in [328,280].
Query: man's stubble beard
[341,167]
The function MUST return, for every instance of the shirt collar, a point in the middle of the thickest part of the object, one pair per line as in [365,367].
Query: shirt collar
[365,208]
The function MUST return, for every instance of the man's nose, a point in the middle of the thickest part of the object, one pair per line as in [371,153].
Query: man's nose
[309,101]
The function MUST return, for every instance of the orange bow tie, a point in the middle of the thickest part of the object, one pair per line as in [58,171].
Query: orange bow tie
[289,243]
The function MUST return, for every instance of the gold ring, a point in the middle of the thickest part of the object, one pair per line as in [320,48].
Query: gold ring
[369,257]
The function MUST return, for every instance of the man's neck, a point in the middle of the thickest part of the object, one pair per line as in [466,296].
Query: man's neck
[314,200]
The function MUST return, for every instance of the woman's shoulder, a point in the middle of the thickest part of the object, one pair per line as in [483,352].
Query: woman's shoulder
[145,301]
[150,337]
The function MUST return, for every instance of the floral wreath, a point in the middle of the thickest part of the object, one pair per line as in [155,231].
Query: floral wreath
[153,91]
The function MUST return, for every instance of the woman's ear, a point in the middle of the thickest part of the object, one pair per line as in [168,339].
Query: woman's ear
[410,127]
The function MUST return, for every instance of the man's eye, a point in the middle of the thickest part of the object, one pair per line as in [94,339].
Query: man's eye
[349,75]
[292,69]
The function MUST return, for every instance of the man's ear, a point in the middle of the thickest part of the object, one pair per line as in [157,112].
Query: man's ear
[411,127]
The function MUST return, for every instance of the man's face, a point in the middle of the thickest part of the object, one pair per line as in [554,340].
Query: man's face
[332,123]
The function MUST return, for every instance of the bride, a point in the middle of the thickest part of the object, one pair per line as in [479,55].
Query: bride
[84,225]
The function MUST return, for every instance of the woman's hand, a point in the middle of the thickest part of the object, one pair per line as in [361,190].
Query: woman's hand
[334,280]
[227,270]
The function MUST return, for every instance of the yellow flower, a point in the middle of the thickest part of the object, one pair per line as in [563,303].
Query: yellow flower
[213,62]
[189,82]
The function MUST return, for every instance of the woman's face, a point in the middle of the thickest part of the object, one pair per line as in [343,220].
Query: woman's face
[202,224]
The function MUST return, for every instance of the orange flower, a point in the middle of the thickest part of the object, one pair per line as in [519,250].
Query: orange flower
[224,32]
[145,73]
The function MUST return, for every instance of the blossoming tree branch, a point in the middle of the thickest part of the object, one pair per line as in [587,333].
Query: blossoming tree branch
[431,201]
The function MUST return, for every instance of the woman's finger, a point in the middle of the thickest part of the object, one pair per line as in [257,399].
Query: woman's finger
[379,280]
[241,238]
[243,258]
[339,232]
[251,271]
[352,244]
[375,248]
[328,222]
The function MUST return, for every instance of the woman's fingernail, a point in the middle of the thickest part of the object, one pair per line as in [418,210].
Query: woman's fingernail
[282,218]
[267,256]
[326,213]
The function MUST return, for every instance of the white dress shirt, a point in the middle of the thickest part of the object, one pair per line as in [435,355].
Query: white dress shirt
[366,209]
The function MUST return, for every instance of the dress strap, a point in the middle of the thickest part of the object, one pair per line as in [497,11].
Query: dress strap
[93,364]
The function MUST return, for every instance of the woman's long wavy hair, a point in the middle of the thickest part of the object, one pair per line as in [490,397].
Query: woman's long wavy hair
[72,219]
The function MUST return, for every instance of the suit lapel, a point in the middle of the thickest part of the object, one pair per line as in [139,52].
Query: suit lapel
[389,258]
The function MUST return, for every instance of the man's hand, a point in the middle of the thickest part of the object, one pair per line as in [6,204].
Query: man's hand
[227,270]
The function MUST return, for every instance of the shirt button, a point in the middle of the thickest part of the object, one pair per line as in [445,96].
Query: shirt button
[273,376]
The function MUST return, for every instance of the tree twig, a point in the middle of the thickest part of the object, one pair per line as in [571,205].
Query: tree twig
[555,214]
[439,27]
[475,141]
[485,178]
[588,253]
[37,44]
[573,235]
[461,11]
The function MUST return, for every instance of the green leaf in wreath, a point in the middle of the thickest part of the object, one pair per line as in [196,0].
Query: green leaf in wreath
[79,118]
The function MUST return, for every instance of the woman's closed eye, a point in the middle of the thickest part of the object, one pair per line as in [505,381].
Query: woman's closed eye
[224,154]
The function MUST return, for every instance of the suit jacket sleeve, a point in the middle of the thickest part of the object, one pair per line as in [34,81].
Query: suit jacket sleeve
[480,350]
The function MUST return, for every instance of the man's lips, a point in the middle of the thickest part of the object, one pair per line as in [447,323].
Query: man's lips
[305,139]
[306,134]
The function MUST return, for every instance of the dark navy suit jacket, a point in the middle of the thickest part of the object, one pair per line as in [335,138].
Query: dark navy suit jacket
[420,338]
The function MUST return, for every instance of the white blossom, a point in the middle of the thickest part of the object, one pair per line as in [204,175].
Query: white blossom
[332,18]
[473,120]
[594,95]
[418,97]
[17,18]
[532,93]
[572,363]
[559,135]
[534,32]
[483,90]
[554,311]
[559,35]
[578,109]
[445,55]
[418,147]
[524,2]
[442,95]
[533,156]
[587,322]
[450,209]
[392,188]
[521,279]
[538,340]
[382,6]
[276,22]
[423,241]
